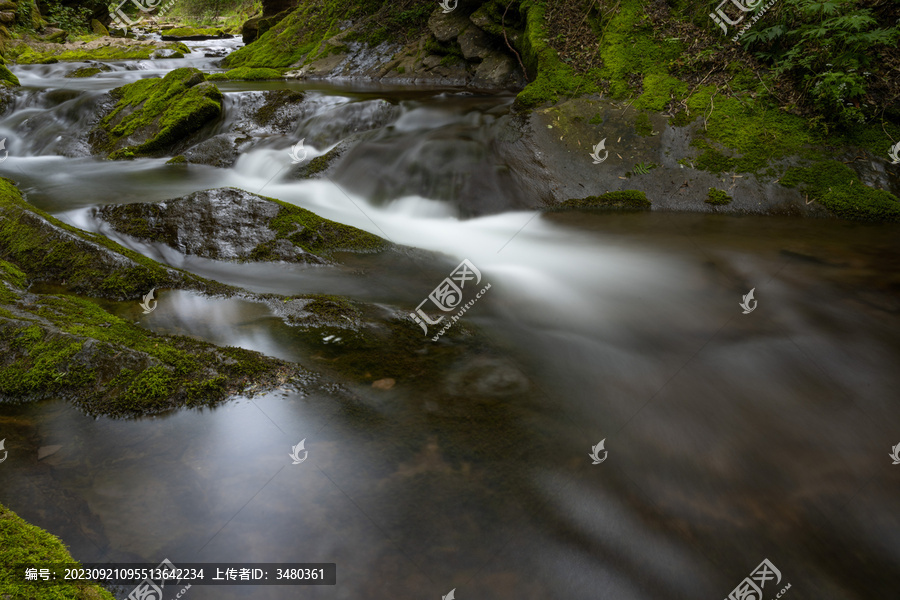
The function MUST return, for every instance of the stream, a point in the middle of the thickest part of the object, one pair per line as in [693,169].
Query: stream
[731,438]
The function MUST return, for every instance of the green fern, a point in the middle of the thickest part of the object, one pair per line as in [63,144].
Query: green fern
[642,168]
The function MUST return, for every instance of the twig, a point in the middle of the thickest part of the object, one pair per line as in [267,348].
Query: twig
[503,25]
[711,108]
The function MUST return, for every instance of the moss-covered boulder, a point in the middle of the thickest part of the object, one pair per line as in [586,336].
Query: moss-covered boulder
[838,188]
[94,69]
[99,28]
[7,78]
[194,34]
[48,250]
[98,49]
[66,346]
[247,74]
[22,543]
[153,116]
[231,224]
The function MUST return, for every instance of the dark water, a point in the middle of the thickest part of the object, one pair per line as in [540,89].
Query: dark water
[731,437]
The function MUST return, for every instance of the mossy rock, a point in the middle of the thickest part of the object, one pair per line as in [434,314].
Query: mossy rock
[64,346]
[82,72]
[317,166]
[247,74]
[838,188]
[99,28]
[717,197]
[7,77]
[621,200]
[151,116]
[46,249]
[101,53]
[233,224]
[269,112]
[195,34]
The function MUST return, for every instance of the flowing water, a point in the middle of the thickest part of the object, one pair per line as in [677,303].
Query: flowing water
[731,437]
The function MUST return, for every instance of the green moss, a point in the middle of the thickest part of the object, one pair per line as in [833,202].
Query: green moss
[717,197]
[659,90]
[552,77]
[84,72]
[70,347]
[318,235]
[247,74]
[165,111]
[7,77]
[24,544]
[44,364]
[624,199]
[628,48]
[682,118]
[209,388]
[434,46]
[452,59]
[101,53]
[596,119]
[329,307]
[293,37]
[46,249]
[642,125]
[757,131]
[275,100]
[177,160]
[191,31]
[837,187]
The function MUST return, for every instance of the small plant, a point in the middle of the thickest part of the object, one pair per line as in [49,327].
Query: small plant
[641,169]
[717,197]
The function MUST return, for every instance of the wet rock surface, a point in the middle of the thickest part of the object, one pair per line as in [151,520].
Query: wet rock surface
[232,224]
[456,52]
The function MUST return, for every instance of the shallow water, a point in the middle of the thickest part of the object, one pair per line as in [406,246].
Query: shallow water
[731,437]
